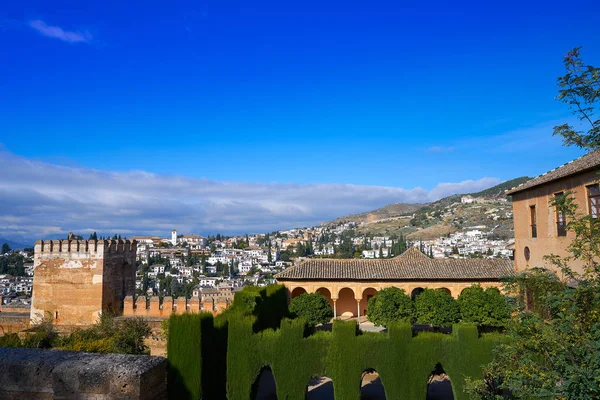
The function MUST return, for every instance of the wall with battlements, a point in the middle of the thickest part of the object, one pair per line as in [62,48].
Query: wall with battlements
[153,307]
[75,280]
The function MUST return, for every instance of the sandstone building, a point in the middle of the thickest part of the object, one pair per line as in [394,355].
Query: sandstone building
[76,280]
[539,228]
[349,284]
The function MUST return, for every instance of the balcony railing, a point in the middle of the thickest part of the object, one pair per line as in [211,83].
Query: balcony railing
[534,231]
[561,229]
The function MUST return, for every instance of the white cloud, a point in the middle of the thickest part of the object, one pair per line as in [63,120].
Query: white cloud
[38,199]
[57,32]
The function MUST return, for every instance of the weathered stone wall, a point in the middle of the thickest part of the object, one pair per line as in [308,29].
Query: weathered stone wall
[11,322]
[75,280]
[53,374]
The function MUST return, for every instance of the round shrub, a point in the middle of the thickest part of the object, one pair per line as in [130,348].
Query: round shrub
[436,307]
[313,307]
[481,307]
[390,305]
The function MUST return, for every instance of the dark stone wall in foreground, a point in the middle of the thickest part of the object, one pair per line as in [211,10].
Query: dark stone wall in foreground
[54,374]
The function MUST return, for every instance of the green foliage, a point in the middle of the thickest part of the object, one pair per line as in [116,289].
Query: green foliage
[263,306]
[184,354]
[12,264]
[5,248]
[108,335]
[481,307]
[436,307]
[313,307]
[580,89]
[390,305]
[202,352]
[404,363]
[10,340]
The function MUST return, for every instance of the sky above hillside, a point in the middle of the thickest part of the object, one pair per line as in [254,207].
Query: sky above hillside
[252,116]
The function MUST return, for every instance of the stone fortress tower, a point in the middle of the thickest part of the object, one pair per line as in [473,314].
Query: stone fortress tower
[76,280]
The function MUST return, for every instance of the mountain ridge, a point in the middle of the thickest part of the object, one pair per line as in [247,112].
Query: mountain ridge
[399,212]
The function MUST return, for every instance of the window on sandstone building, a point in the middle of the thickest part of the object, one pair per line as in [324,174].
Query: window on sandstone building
[594,200]
[561,219]
[533,221]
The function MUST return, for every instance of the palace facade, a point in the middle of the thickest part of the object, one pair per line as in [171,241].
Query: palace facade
[348,284]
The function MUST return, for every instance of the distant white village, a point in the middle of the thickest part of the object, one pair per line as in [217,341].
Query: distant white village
[217,266]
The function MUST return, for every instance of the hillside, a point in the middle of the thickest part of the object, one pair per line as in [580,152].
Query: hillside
[389,211]
[490,209]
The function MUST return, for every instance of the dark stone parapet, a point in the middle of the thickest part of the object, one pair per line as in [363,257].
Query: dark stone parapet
[46,374]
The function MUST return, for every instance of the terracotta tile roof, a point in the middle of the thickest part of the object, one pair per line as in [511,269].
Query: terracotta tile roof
[581,164]
[410,267]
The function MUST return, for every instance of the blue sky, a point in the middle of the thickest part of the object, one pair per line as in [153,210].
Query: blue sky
[374,94]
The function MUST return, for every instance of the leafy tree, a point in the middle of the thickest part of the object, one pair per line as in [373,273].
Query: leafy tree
[12,264]
[436,307]
[580,89]
[390,305]
[269,255]
[313,307]
[483,307]
[284,255]
[5,248]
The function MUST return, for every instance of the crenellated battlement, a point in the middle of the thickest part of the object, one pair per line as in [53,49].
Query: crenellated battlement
[97,247]
[143,306]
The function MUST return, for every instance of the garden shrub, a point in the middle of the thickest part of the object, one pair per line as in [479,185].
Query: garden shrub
[436,307]
[10,340]
[313,307]
[390,305]
[483,307]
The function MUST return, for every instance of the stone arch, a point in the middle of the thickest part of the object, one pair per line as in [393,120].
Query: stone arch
[264,386]
[439,386]
[443,289]
[297,291]
[364,302]
[416,291]
[371,387]
[325,292]
[320,388]
[346,303]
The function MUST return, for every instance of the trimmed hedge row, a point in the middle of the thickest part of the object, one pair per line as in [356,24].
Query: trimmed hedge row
[404,363]
[223,357]
[197,343]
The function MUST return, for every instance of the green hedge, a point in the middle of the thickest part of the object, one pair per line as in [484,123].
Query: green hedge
[184,349]
[197,343]
[404,363]
[233,354]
